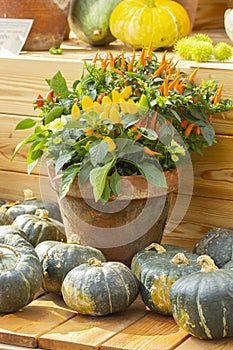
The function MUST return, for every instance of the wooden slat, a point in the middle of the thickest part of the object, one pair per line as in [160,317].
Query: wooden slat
[198,344]
[13,347]
[153,332]
[12,185]
[24,327]
[87,332]
[202,215]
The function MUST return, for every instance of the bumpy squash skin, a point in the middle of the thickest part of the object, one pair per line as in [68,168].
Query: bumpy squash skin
[202,304]
[30,207]
[218,244]
[20,272]
[58,258]
[38,229]
[140,257]
[6,229]
[5,218]
[89,20]
[101,290]
[138,24]
[156,275]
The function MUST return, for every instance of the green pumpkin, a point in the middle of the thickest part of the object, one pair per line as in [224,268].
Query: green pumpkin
[202,302]
[99,289]
[156,274]
[30,204]
[5,218]
[151,250]
[58,258]
[20,272]
[10,229]
[89,20]
[218,244]
[40,227]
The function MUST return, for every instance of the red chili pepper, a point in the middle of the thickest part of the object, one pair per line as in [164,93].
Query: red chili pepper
[50,95]
[101,96]
[39,101]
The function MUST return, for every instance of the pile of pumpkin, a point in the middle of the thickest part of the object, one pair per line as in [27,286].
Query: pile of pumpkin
[195,288]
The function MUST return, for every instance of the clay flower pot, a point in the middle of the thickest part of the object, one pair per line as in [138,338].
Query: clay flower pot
[50,20]
[122,226]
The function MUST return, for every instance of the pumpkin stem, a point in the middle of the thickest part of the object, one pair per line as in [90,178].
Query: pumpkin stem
[97,33]
[94,262]
[159,248]
[207,263]
[150,3]
[42,214]
[180,258]
[28,195]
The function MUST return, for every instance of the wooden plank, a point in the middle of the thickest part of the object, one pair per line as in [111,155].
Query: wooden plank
[87,332]
[12,185]
[198,344]
[13,347]
[24,327]
[153,332]
[202,215]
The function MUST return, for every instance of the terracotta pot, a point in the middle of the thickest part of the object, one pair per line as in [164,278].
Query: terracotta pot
[191,8]
[122,226]
[50,20]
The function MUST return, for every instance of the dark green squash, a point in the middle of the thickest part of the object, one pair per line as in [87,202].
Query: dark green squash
[89,20]
[30,204]
[99,289]
[10,229]
[39,227]
[20,272]
[151,250]
[156,274]
[218,244]
[58,258]
[202,302]
[5,218]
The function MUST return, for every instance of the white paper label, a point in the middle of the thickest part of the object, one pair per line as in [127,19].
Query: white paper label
[13,34]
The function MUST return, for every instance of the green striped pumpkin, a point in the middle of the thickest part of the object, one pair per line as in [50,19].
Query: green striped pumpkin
[99,289]
[202,302]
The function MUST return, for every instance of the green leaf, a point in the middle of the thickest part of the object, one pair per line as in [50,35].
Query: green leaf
[98,152]
[106,192]
[55,112]
[63,159]
[98,178]
[115,183]
[25,124]
[208,134]
[58,84]
[153,175]
[68,176]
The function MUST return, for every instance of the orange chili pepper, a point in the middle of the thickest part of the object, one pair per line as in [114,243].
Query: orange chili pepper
[150,50]
[184,123]
[39,101]
[149,151]
[157,127]
[95,57]
[197,130]
[118,71]
[189,129]
[130,65]
[153,120]
[123,64]
[163,60]
[165,86]
[192,75]
[216,98]
[143,57]
[138,136]
[173,83]
[159,70]
[112,60]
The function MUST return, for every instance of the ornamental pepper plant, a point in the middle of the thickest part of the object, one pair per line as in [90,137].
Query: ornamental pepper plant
[126,115]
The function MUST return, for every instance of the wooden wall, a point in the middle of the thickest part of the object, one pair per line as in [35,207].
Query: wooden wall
[23,77]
